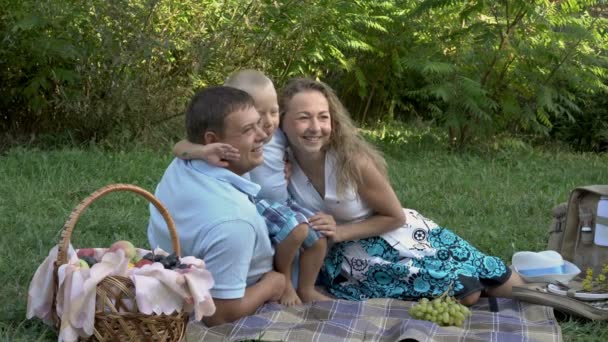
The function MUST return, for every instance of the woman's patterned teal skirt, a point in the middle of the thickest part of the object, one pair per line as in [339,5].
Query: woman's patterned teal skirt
[417,260]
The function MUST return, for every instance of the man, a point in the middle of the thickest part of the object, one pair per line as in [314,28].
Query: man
[213,207]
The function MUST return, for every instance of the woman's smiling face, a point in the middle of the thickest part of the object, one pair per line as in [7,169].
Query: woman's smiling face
[307,121]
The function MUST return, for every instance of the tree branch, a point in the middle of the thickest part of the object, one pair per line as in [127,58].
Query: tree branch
[569,53]
[503,42]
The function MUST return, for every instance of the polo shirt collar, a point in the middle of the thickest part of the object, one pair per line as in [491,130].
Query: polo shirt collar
[244,185]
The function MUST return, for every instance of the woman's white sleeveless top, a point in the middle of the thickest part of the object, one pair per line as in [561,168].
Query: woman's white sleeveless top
[349,208]
[410,240]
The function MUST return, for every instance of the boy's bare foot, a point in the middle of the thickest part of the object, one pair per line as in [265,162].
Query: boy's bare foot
[290,296]
[312,295]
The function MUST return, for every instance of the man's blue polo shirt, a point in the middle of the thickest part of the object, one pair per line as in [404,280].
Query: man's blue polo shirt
[216,221]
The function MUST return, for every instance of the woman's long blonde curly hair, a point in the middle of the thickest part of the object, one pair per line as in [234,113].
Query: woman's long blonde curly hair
[344,140]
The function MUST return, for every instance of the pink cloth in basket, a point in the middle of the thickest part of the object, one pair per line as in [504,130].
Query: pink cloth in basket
[157,290]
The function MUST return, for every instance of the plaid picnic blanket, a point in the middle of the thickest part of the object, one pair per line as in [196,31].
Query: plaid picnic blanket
[383,320]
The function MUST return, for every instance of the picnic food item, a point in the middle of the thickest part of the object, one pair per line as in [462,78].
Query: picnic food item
[126,246]
[86,252]
[599,283]
[116,311]
[170,262]
[444,311]
[143,262]
[89,260]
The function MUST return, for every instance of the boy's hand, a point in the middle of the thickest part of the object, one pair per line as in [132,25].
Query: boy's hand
[219,154]
[324,224]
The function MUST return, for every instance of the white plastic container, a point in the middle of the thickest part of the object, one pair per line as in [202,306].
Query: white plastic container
[601,222]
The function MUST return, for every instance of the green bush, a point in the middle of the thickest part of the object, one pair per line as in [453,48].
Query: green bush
[473,68]
[586,130]
[92,67]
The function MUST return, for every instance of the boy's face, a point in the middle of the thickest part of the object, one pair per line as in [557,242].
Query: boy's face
[266,104]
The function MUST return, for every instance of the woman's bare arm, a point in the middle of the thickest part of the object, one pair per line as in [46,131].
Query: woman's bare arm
[377,192]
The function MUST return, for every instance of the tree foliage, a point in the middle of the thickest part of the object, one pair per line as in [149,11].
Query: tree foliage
[475,67]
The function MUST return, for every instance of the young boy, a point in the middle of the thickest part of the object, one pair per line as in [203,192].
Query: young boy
[287,222]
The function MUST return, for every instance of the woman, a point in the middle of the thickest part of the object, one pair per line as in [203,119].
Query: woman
[379,249]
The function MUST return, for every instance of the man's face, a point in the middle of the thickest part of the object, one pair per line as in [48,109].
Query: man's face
[243,130]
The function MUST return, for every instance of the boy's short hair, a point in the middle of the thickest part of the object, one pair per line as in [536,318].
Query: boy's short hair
[248,80]
[210,106]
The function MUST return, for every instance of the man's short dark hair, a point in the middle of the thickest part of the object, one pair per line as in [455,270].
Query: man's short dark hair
[210,106]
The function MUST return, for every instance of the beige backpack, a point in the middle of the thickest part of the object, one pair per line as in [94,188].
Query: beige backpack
[575,226]
[580,235]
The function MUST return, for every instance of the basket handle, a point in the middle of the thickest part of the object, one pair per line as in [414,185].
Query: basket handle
[68,227]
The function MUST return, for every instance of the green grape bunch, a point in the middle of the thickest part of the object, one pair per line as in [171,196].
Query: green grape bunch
[443,310]
[596,284]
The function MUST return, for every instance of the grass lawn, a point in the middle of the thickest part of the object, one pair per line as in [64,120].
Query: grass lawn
[501,201]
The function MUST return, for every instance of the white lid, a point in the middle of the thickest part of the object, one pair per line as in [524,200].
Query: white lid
[585,229]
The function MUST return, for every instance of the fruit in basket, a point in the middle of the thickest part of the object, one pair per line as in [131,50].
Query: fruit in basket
[83,264]
[172,260]
[149,256]
[126,246]
[89,260]
[86,252]
[143,262]
[169,262]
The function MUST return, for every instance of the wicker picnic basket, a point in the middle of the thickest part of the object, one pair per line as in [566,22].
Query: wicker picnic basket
[116,314]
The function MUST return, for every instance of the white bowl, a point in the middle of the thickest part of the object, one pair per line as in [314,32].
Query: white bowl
[570,271]
[578,295]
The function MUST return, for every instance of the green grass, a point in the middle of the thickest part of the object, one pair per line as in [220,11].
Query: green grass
[500,200]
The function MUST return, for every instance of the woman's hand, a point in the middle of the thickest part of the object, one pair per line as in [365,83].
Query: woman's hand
[324,224]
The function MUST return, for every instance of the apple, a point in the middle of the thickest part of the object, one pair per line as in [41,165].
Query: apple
[83,264]
[88,252]
[143,262]
[126,246]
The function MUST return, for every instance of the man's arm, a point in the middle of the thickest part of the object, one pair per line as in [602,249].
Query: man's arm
[269,288]
[227,251]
